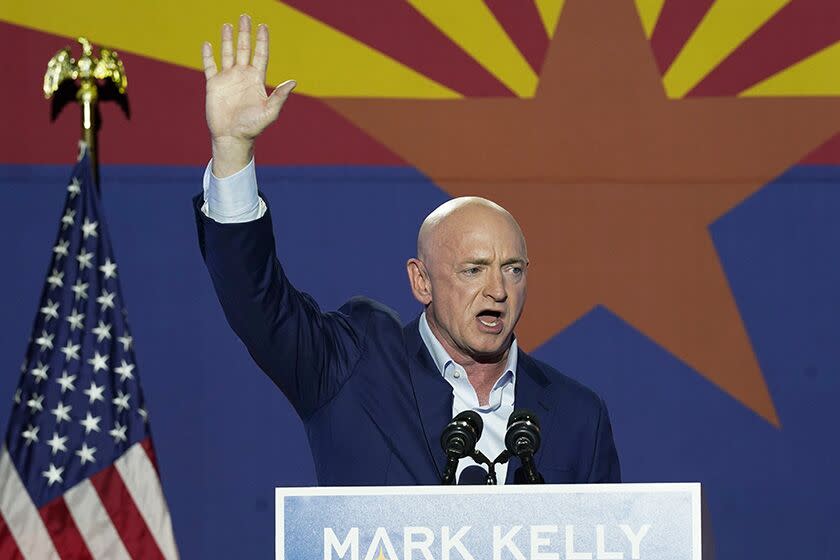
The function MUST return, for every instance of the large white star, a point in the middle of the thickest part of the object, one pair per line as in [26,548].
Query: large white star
[84,259]
[53,474]
[86,453]
[39,372]
[99,362]
[66,382]
[68,219]
[102,331]
[121,401]
[76,320]
[109,269]
[35,403]
[124,370]
[30,434]
[106,300]
[118,433]
[89,229]
[94,392]
[126,341]
[91,423]
[50,310]
[70,351]
[80,289]
[61,249]
[74,188]
[57,442]
[56,279]
[61,412]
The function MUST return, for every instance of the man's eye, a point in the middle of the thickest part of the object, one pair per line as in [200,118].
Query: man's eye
[472,271]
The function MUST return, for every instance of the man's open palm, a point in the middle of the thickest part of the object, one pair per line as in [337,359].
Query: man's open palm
[237,106]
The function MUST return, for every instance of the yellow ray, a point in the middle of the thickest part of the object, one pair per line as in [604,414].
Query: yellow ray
[471,24]
[324,61]
[725,26]
[649,11]
[550,13]
[815,75]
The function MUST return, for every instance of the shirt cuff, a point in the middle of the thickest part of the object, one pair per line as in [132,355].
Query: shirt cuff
[233,199]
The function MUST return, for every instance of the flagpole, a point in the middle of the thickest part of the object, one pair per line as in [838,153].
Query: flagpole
[86,76]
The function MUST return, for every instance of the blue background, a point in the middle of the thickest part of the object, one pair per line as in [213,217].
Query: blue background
[225,436]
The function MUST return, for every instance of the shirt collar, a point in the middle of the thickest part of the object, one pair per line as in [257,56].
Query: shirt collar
[441,356]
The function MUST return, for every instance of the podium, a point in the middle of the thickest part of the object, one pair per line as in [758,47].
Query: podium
[539,522]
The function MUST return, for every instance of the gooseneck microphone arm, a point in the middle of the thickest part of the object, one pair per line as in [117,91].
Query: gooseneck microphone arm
[458,441]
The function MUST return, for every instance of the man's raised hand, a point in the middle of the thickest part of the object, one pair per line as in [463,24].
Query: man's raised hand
[237,106]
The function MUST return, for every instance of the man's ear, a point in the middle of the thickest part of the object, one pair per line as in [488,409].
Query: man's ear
[418,277]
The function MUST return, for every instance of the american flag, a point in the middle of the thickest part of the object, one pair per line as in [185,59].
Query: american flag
[78,475]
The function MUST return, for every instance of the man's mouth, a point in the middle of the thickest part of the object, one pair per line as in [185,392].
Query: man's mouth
[490,319]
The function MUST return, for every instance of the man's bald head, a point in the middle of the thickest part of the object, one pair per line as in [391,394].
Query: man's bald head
[454,217]
[470,274]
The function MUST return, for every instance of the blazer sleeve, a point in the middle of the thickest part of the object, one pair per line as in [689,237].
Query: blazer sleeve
[605,465]
[308,354]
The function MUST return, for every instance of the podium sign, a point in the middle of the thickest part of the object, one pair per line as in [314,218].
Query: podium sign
[541,522]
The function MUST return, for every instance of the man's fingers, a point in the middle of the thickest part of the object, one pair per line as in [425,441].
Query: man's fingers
[207,60]
[243,41]
[278,97]
[227,46]
[261,50]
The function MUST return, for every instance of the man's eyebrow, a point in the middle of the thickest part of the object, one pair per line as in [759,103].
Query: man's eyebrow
[486,261]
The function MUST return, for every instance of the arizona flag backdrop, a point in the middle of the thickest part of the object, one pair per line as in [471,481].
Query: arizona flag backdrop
[674,164]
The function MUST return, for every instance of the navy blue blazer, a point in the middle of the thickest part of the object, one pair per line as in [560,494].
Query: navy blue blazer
[371,399]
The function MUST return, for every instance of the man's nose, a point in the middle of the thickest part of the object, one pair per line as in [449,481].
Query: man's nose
[495,286]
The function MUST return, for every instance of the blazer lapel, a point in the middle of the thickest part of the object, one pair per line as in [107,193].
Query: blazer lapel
[432,393]
[534,392]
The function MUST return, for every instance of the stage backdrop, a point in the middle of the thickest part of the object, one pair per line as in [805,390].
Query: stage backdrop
[673,163]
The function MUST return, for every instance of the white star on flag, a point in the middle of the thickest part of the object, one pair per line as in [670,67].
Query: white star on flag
[102,331]
[70,351]
[106,300]
[94,392]
[91,423]
[76,320]
[30,434]
[121,401]
[80,289]
[74,188]
[35,402]
[45,340]
[89,229]
[86,453]
[109,269]
[40,372]
[53,474]
[118,433]
[56,279]
[99,362]
[57,442]
[50,310]
[126,342]
[66,382]
[68,219]
[84,259]
[124,370]
[61,249]
[61,412]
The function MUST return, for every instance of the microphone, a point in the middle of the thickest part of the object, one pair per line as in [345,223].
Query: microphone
[458,441]
[523,440]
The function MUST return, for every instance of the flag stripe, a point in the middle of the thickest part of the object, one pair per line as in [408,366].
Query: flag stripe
[141,481]
[124,514]
[20,514]
[94,523]
[8,547]
[63,531]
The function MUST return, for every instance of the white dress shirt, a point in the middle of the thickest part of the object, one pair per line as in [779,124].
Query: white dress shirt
[235,199]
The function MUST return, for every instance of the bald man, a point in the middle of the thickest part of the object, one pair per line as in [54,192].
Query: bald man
[375,395]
